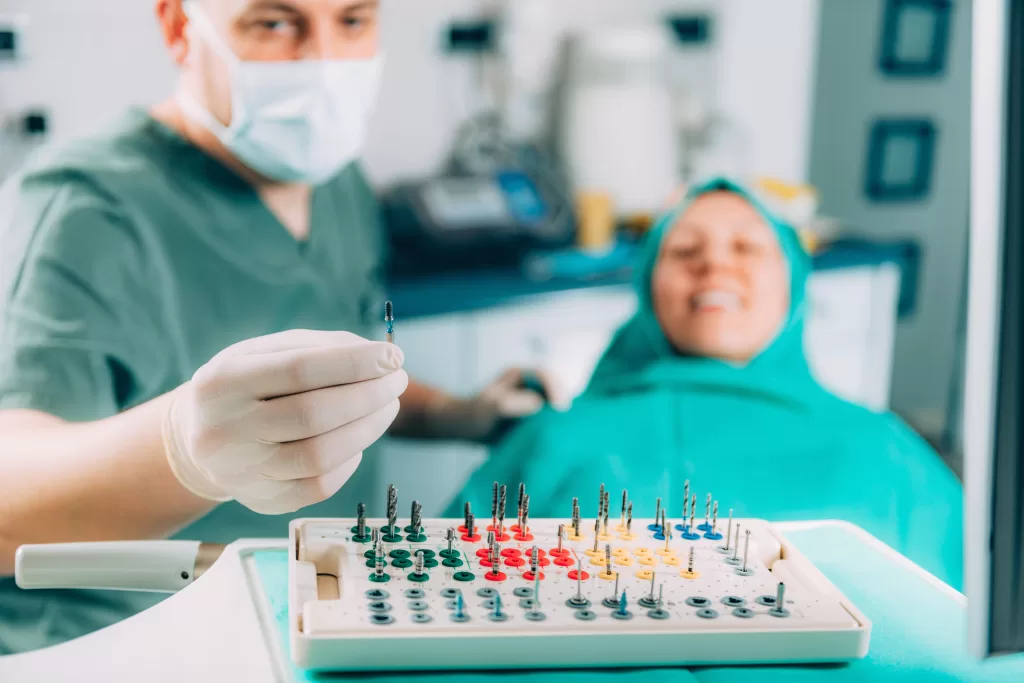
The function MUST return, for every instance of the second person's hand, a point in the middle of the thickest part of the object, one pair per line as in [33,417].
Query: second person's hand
[280,422]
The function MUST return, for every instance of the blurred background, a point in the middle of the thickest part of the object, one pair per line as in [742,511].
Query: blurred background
[522,147]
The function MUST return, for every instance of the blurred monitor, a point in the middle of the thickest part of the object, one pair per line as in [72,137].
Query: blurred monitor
[994,382]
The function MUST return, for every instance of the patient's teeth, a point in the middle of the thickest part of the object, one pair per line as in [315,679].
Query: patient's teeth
[716,298]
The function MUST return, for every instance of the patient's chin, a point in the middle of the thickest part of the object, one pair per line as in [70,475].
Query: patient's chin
[724,344]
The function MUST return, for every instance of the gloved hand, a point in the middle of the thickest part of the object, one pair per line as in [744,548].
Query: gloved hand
[484,418]
[280,422]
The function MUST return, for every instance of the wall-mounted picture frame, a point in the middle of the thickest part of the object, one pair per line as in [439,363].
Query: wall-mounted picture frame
[915,37]
[901,154]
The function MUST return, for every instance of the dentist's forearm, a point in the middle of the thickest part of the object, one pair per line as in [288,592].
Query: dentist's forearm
[93,481]
[428,413]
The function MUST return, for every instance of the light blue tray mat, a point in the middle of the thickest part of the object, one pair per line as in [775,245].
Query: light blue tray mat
[918,633]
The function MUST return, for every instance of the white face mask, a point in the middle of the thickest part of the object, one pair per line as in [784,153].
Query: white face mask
[290,121]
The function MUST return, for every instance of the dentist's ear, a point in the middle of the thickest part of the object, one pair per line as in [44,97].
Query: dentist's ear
[173,21]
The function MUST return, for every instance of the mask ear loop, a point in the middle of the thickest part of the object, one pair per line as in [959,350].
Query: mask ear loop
[199,19]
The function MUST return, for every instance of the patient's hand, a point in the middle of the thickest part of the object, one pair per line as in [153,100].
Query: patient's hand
[486,417]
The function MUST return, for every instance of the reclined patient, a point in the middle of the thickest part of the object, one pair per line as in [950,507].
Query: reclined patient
[708,382]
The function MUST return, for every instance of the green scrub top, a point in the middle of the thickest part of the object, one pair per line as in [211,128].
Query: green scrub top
[126,262]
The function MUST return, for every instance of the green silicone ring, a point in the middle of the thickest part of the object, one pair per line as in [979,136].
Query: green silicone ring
[383,578]
[419,579]
[401,563]
[399,553]
[453,562]
[463,576]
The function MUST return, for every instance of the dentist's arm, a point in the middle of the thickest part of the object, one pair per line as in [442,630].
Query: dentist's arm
[277,423]
[104,480]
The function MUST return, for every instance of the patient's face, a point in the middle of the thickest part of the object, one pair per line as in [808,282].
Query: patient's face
[721,284]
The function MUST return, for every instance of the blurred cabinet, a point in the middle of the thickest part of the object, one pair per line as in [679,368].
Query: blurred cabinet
[849,340]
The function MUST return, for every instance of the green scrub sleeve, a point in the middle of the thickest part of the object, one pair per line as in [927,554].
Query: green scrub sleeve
[80,331]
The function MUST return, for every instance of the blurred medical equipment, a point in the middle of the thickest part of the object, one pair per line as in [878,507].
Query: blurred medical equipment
[151,566]
[596,223]
[993,440]
[557,118]
[618,130]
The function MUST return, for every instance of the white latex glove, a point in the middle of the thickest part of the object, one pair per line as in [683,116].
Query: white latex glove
[280,422]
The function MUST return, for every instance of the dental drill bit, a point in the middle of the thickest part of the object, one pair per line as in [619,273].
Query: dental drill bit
[728,536]
[686,497]
[392,500]
[648,600]
[613,599]
[657,516]
[393,515]
[502,490]
[561,535]
[780,596]
[389,321]
[378,565]
[597,533]
[418,566]
[625,502]
[450,537]
[736,548]
[693,508]
[607,505]
[691,572]
[608,558]
[470,527]
[416,518]
[707,515]
[495,559]
[746,549]
[494,507]
[629,520]
[522,494]
[466,512]
[578,601]
[713,534]
[524,524]
[361,522]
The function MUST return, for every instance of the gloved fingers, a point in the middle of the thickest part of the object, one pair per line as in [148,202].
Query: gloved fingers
[535,381]
[325,453]
[294,371]
[311,413]
[294,339]
[551,389]
[519,403]
[283,497]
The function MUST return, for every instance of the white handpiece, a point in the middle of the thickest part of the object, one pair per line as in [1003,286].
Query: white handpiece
[152,566]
